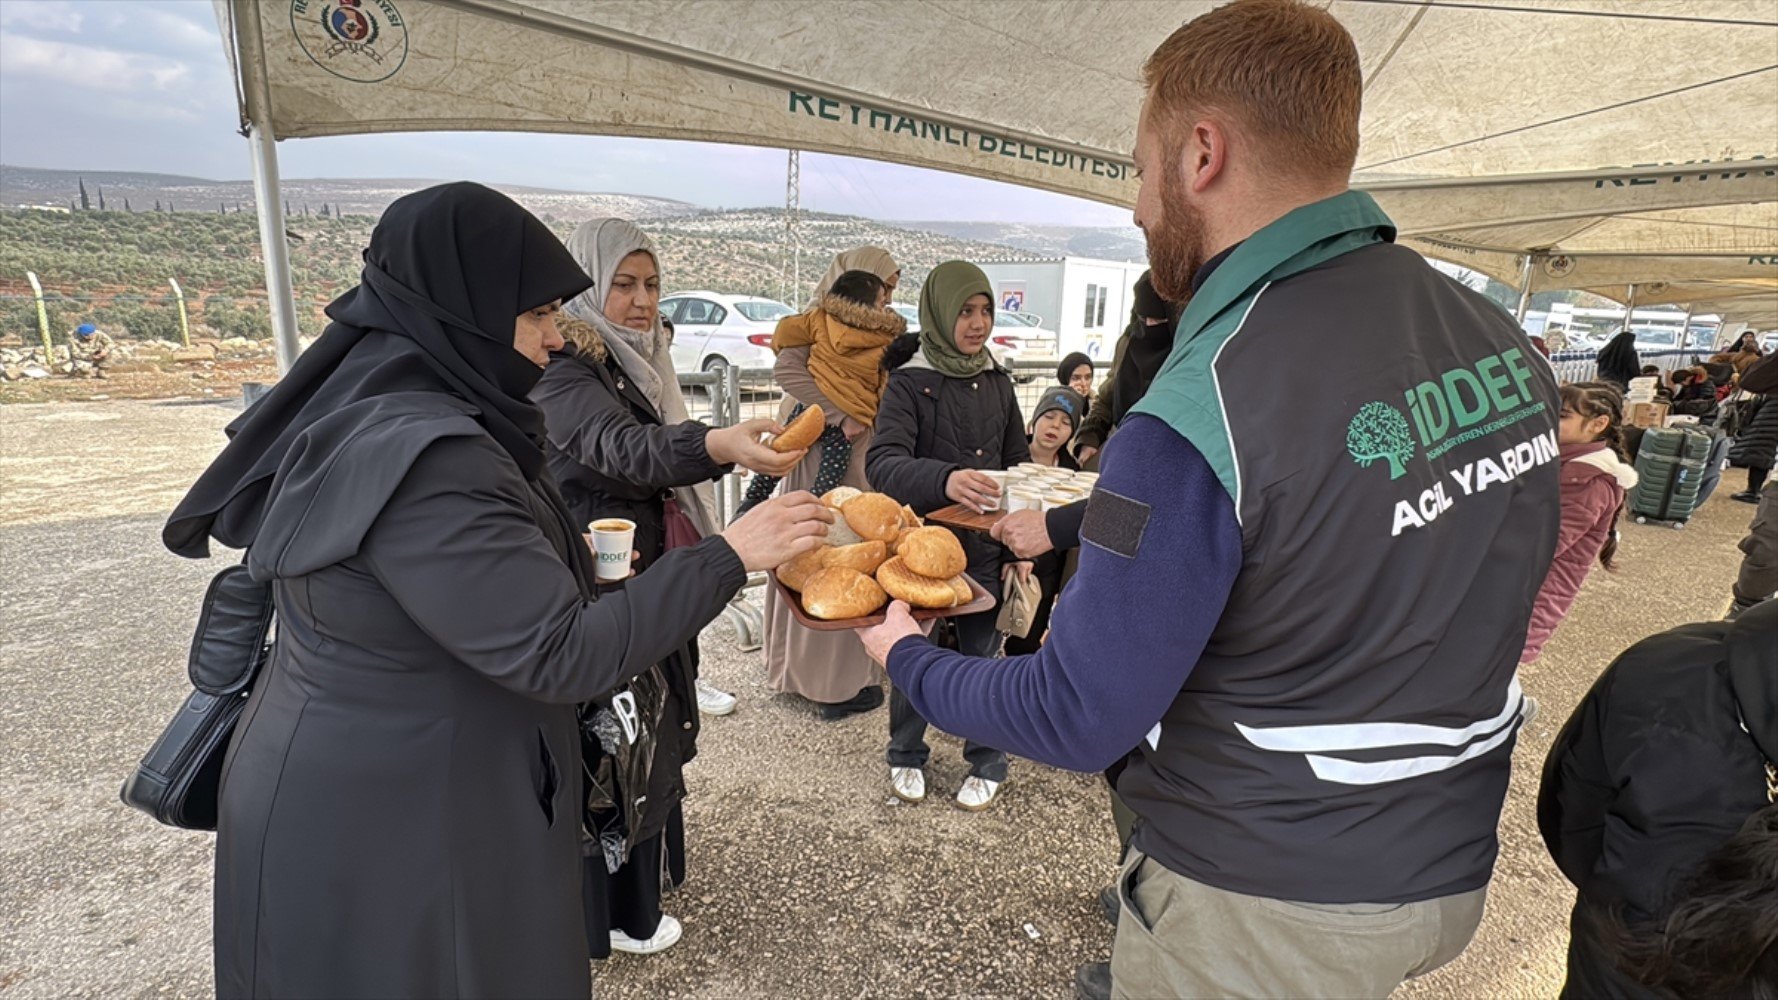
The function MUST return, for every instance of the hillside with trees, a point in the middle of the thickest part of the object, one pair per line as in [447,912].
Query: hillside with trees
[111,267]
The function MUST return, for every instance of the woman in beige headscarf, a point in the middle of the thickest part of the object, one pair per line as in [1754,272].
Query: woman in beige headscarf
[828,668]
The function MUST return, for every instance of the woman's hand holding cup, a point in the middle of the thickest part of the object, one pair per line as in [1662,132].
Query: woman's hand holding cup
[740,445]
[778,530]
[973,489]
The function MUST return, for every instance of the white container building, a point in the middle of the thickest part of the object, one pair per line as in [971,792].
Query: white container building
[1085,301]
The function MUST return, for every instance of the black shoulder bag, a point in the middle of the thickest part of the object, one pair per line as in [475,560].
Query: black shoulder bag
[178,780]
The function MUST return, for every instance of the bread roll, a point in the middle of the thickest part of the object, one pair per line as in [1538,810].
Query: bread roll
[933,552]
[874,516]
[838,593]
[795,573]
[895,546]
[837,496]
[840,534]
[965,593]
[904,584]
[909,519]
[804,431]
[864,557]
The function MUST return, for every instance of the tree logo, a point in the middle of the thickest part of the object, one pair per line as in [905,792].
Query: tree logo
[1380,431]
[360,40]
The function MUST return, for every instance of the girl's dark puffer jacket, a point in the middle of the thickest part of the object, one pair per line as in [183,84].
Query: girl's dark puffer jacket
[929,426]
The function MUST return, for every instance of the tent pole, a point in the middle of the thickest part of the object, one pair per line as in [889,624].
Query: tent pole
[1524,291]
[269,200]
[1630,308]
[280,296]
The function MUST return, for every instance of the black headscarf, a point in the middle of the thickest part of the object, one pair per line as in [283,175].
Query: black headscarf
[447,273]
[1065,370]
[1618,361]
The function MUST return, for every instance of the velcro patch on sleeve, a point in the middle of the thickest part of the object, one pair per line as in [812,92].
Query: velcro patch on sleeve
[1115,523]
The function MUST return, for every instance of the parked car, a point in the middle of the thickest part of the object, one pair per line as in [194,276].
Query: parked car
[1021,336]
[712,330]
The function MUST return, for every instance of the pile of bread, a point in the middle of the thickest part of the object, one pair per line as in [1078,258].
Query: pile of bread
[877,549]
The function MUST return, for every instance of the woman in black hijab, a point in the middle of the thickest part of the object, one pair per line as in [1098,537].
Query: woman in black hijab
[400,807]
[1076,372]
[1618,362]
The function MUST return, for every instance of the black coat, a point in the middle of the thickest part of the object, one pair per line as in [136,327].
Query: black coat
[399,814]
[1756,443]
[1654,771]
[1140,353]
[613,457]
[931,425]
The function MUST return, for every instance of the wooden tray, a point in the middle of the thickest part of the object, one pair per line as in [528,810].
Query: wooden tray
[959,516]
[982,601]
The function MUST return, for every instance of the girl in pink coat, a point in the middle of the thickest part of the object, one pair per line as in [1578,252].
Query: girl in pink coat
[1594,479]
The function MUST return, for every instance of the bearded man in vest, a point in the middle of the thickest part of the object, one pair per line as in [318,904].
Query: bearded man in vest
[1307,569]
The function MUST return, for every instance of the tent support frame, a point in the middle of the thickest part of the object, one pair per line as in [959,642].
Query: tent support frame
[280,296]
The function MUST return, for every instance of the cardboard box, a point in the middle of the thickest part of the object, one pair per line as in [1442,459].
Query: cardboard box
[1646,414]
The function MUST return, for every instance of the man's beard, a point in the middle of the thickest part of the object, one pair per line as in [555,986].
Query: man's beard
[1175,245]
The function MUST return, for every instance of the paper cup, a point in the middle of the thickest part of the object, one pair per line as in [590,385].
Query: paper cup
[999,484]
[1052,500]
[614,539]
[1019,500]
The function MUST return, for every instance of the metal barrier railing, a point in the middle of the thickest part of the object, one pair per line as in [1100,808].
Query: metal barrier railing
[1583,366]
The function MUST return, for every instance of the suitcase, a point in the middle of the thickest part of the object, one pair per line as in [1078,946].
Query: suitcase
[1670,469]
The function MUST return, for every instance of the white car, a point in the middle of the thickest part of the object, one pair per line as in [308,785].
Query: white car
[712,330]
[1021,336]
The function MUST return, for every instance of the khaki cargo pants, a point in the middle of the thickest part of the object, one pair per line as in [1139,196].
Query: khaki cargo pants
[1180,938]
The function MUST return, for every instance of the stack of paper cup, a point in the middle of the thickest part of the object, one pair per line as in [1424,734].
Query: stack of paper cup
[1642,390]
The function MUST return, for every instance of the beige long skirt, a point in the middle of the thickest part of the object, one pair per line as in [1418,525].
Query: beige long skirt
[826,667]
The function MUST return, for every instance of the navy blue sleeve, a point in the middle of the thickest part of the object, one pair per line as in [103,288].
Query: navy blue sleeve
[1063,525]
[1157,562]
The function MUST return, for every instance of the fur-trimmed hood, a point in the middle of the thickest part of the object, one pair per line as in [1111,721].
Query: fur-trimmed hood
[861,317]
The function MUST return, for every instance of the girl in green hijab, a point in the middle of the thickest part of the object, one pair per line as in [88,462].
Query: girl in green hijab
[947,418]
[956,317]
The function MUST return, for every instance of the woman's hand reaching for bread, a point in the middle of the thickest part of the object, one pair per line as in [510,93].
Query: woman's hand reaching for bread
[740,445]
[972,489]
[773,533]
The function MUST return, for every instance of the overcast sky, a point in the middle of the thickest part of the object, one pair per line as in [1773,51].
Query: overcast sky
[143,85]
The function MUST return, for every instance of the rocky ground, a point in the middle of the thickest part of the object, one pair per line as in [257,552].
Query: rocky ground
[137,369]
[808,879]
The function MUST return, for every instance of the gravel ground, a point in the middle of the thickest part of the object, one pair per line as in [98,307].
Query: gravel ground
[808,879]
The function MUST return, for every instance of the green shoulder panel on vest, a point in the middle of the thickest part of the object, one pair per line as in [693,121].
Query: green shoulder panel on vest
[1185,393]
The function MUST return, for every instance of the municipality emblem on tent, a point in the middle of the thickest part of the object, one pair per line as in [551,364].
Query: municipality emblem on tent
[360,40]
[1558,265]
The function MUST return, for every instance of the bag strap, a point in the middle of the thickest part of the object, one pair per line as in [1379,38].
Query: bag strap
[233,636]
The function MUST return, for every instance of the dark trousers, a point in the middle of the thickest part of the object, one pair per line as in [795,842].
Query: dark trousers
[1756,478]
[629,899]
[976,636]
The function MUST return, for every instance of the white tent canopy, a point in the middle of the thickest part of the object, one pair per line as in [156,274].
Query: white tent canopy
[1491,127]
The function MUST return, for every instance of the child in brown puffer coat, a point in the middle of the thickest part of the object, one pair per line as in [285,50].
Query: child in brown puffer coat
[848,334]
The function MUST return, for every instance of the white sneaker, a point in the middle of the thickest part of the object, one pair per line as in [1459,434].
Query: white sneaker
[908,783]
[665,936]
[714,700]
[977,793]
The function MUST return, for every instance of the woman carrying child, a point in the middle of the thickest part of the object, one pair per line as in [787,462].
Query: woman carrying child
[949,413]
[828,668]
[1594,480]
